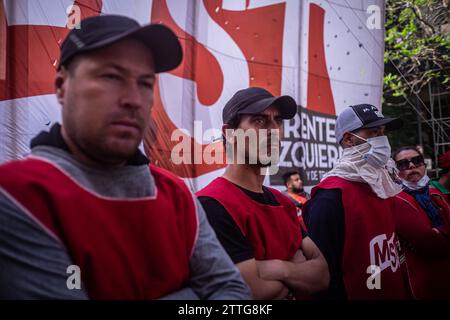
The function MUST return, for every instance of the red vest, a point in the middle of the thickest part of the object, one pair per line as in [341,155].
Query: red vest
[370,239]
[429,277]
[273,231]
[302,200]
[126,248]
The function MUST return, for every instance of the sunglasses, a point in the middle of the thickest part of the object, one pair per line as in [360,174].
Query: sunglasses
[403,164]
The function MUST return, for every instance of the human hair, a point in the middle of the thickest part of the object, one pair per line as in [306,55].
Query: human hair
[233,123]
[395,154]
[72,64]
[287,176]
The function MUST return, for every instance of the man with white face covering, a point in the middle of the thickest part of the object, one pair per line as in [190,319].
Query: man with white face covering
[350,215]
[423,225]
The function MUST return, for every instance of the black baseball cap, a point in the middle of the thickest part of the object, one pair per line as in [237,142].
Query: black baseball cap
[363,116]
[100,31]
[255,100]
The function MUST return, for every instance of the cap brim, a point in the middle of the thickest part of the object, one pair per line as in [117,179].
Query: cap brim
[164,44]
[286,105]
[390,124]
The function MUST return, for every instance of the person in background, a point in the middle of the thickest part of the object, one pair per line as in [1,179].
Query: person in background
[422,219]
[350,214]
[295,192]
[443,182]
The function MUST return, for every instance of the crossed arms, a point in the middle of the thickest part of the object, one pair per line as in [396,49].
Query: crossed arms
[306,273]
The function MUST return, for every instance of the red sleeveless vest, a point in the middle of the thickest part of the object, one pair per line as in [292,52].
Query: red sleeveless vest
[429,277]
[370,239]
[126,248]
[273,231]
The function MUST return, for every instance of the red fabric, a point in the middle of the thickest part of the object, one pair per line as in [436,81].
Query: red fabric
[427,252]
[444,160]
[302,200]
[370,239]
[126,249]
[273,231]
[298,198]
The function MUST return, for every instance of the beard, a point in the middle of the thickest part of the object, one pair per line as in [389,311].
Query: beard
[298,190]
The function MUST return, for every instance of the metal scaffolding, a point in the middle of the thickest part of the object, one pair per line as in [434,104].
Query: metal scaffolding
[437,117]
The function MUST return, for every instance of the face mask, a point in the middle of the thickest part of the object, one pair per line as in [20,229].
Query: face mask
[379,152]
[353,166]
[423,182]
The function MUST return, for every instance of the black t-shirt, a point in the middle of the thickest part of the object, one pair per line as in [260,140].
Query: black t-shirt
[228,232]
[325,220]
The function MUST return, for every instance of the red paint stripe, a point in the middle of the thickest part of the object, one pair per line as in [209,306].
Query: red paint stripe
[320,96]
[198,63]
[31,55]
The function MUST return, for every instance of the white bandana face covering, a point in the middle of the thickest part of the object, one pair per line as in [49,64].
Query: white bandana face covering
[423,182]
[355,166]
[380,151]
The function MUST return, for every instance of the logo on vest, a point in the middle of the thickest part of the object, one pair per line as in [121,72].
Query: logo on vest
[384,252]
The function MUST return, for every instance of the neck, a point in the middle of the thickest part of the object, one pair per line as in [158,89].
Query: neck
[246,176]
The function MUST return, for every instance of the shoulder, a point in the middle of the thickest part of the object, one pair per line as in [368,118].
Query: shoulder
[334,182]
[279,195]
[440,198]
[326,204]
[210,205]
[167,178]
[19,173]
[436,192]
[332,196]
[214,188]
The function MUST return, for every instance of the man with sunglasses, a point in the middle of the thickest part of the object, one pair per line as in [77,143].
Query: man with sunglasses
[422,223]
[350,214]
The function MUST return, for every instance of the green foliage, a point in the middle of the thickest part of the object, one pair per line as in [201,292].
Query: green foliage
[417,52]
[418,44]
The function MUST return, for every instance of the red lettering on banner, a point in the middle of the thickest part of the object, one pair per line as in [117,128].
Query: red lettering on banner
[320,96]
[259,34]
[198,63]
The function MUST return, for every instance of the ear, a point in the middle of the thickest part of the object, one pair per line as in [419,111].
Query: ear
[347,141]
[60,80]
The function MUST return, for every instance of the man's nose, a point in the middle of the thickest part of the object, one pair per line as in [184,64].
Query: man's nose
[379,133]
[131,96]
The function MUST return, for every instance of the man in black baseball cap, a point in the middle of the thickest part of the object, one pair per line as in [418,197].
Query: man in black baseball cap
[255,100]
[88,198]
[258,225]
